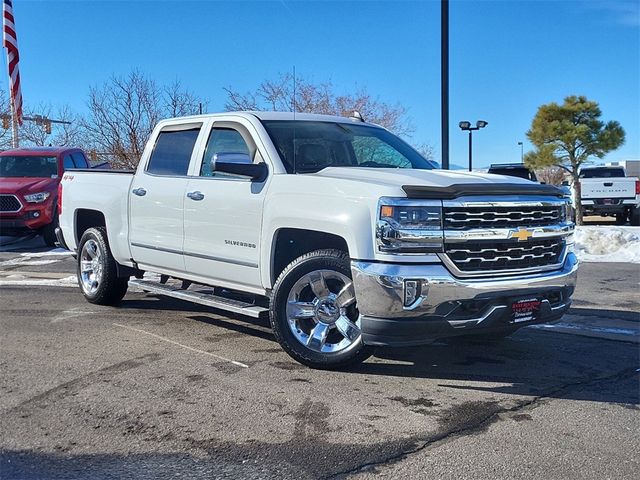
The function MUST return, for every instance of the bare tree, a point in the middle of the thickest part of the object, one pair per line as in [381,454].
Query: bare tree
[551,175]
[5,134]
[124,110]
[427,151]
[320,98]
[61,135]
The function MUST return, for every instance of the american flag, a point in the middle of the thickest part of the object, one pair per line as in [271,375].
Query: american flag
[11,44]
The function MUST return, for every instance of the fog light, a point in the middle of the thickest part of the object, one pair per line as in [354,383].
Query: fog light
[411,292]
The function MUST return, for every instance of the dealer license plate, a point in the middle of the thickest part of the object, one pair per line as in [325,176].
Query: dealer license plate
[525,309]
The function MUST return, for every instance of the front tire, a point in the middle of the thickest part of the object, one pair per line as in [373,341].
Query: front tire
[49,233]
[313,312]
[97,270]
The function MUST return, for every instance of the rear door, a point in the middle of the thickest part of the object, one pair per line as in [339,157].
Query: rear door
[157,200]
[223,212]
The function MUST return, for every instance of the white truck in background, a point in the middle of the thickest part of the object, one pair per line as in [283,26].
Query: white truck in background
[607,191]
[337,229]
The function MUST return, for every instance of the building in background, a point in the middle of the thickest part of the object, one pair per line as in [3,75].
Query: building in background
[632,167]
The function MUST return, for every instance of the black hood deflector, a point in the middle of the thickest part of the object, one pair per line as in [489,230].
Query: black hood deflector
[477,189]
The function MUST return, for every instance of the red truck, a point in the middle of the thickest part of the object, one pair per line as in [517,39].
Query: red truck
[29,179]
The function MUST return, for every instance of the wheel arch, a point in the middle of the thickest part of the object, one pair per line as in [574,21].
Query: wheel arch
[84,219]
[290,243]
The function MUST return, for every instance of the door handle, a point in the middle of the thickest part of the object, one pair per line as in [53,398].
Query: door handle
[141,192]
[608,184]
[196,195]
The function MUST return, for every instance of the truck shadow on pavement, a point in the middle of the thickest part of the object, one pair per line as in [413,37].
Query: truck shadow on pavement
[530,362]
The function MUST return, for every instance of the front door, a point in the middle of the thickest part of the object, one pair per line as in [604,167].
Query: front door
[157,201]
[223,214]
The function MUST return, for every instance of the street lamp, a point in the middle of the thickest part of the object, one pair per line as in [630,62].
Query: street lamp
[521,152]
[466,126]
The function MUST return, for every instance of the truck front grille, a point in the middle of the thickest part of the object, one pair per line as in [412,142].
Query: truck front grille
[475,257]
[467,218]
[9,203]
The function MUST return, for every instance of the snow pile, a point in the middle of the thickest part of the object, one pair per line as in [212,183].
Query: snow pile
[608,244]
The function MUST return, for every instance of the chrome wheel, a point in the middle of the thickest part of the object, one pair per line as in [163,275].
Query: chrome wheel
[91,269]
[322,313]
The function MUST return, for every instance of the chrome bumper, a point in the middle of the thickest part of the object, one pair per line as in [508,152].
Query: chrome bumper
[380,291]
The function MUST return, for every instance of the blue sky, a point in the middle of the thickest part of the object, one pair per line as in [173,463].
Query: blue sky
[507,57]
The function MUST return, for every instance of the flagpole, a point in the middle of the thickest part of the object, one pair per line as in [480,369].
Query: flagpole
[14,125]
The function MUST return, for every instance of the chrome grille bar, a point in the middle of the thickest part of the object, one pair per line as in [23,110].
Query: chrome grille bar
[479,235]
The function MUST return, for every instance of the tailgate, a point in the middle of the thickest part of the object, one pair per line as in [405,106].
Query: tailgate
[593,188]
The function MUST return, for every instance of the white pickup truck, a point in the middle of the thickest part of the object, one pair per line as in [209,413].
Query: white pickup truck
[607,191]
[337,229]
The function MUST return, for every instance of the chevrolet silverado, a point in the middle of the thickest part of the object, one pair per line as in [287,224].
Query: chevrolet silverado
[339,231]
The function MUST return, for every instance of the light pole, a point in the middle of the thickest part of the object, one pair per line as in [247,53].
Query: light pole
[466,127]
[521,152]
[444,81]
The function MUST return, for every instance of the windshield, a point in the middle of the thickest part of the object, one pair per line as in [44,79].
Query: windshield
[602,173]
[307,147]
[28,166]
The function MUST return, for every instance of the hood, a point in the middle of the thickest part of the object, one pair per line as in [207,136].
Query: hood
[397,177]
[26,185]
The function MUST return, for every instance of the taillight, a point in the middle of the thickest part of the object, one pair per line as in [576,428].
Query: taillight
[637,187]
[60,199]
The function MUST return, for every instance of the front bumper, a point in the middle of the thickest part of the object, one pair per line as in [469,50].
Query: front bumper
[30,218]
[448,306]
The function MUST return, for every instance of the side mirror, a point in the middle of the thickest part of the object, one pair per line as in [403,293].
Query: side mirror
[239,164]
[565,183]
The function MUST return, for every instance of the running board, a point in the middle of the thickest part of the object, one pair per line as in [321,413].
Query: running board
[207,299]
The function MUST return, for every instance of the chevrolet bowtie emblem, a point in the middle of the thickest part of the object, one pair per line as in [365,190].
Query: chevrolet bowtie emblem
[522,234]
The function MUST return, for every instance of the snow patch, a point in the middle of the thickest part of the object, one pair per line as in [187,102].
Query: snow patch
[21,262]
[19,280]
[608,244]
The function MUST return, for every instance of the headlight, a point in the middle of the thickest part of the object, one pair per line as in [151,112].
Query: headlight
[409,226]
[37,197]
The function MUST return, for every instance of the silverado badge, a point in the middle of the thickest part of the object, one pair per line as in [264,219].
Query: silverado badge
[522,234]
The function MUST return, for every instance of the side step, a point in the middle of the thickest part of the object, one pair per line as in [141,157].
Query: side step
[214,301]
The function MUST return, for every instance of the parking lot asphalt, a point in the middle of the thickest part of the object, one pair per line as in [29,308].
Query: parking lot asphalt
[159,388]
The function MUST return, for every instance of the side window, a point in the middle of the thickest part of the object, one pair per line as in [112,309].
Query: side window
[67,162]
[172,152]
[222,140]
[79,160]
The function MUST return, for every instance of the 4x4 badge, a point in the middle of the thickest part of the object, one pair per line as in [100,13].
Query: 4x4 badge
[522,234]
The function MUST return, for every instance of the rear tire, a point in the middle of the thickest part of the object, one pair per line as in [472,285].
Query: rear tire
[634,217]
[621,218]
[313,312]
[97,269]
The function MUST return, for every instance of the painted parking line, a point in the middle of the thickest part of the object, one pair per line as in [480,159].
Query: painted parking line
[578,328]
[173,342]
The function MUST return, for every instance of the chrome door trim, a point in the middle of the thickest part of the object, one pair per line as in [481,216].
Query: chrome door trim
[153,247]
[224,260]
[195,255]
